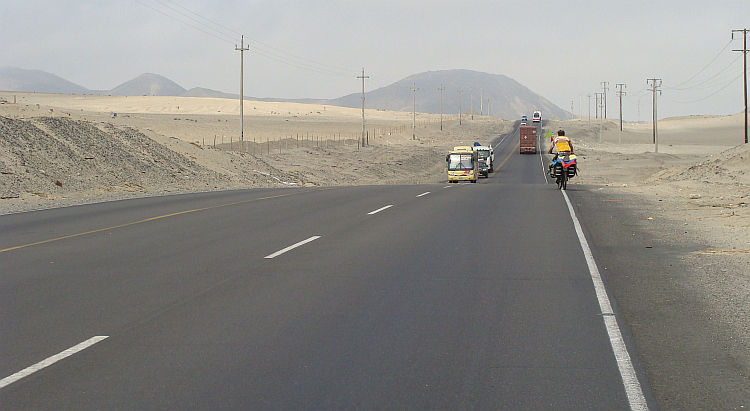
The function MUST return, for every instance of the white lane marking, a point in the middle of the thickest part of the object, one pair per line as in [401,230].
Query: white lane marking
[633,388]
[423,194]
[447,187]
[51,360]
[541,158]
[501,141]
[292,247]
[380,209]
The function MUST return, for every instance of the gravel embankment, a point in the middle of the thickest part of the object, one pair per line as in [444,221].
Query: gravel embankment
[47,162]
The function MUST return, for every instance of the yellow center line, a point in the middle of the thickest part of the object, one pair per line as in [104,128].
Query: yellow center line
[142,221]
[512,151]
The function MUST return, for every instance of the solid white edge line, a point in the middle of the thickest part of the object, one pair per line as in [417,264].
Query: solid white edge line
[541,158]
[633,388]
[51,360]
[380,209]
[293,246]
[423,194]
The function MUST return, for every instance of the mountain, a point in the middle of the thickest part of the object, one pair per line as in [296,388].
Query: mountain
[148,85]
[508,98]
[16,79]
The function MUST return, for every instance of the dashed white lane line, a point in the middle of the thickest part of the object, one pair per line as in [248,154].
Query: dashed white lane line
[380,209]
[447,187]
[423,194]
[292,247]
[51,360]
[633,388]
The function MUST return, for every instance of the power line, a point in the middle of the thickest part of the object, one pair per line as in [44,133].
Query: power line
[676,88]
[278,56]
[204,18]
[249,38]
[173,18]
[704,68]
[708,96]
[199,22]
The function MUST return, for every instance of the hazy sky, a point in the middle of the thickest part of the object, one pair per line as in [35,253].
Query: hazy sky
[561,50]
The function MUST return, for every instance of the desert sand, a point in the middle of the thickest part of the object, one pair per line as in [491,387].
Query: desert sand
[695,188]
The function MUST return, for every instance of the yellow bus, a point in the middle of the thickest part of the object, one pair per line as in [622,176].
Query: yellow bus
[462,164]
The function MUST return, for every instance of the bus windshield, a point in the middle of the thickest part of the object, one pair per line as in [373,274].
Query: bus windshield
[463,161]
[483,154]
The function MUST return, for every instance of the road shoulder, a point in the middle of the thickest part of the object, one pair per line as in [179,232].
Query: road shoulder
[676,309]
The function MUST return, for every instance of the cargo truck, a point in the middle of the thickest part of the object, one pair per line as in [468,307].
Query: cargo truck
[487,155]
[528,139]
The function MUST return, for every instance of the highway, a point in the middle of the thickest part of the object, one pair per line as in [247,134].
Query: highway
[435,296]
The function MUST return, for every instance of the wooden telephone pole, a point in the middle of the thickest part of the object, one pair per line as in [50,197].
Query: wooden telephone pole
[242,48]
[744,51]
[363,77]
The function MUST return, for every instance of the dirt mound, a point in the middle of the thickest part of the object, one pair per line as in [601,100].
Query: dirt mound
[53,157]
[730,167]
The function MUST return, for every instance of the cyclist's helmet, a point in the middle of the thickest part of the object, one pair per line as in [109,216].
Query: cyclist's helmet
[560,132]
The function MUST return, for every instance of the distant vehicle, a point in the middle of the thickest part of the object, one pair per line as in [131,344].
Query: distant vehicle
[462,164]
[537,117]
[486,154]
[524,118]
[523,122]
[528,139]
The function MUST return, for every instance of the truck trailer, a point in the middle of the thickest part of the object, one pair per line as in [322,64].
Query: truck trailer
[528,139]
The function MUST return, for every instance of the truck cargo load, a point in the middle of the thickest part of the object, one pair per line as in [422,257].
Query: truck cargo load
[528,139]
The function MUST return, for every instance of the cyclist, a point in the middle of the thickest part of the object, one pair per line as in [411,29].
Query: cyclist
[563,145]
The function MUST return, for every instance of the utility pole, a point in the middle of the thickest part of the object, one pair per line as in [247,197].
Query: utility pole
[481,111]
[242,50]
[655,83]
[414,114]
[572,113]
[459,106]
[599,107]
[621,93]
[597,104]
[488,107]
[744,51]
[363,77]
[441,88]
[589,96]
[472,103]
[605,88]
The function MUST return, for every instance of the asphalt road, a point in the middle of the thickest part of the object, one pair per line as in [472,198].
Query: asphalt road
[438,296]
